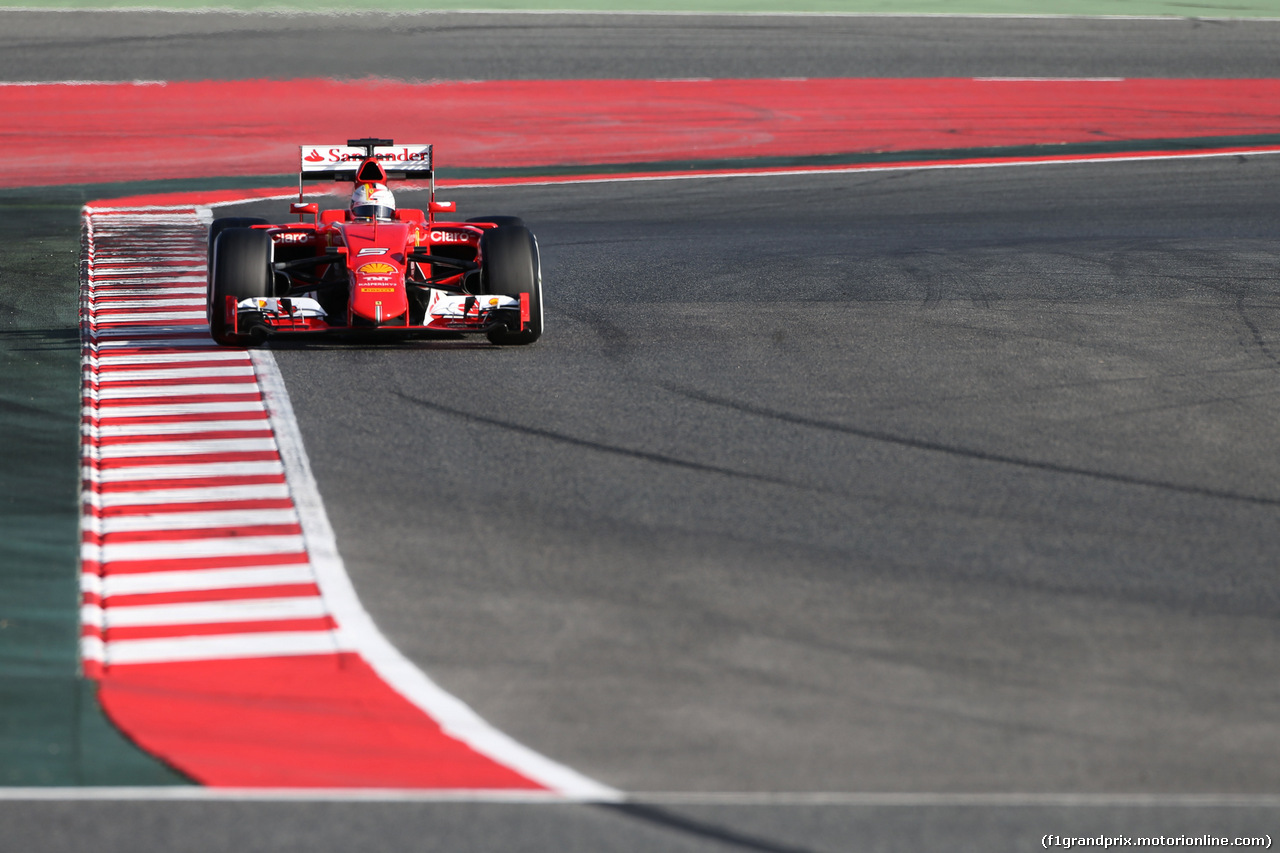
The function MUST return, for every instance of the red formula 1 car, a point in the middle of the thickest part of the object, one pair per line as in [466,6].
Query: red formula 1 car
[372,267]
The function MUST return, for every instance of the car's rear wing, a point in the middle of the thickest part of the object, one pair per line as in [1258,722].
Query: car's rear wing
[340,162]
[356,160]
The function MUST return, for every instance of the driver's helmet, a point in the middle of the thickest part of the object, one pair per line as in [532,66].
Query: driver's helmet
[373,201]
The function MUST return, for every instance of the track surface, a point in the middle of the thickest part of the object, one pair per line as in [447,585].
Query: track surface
[182,46]
[954,481]
[949,481]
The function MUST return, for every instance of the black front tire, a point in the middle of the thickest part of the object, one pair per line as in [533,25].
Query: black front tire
[510,267]
[240,266]
[220,225]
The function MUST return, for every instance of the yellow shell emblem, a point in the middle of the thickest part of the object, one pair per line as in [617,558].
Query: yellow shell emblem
[376,267]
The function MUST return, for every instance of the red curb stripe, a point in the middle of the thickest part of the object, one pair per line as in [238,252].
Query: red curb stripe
[100,350]
[191,535]
[334,710]
[114,364]
[254,397]
[203,506]
[193,459]
[193,483]
[187,564]
[103,299]
[191,417]
[152,632]
[171,382]
[232,594]
[177,437]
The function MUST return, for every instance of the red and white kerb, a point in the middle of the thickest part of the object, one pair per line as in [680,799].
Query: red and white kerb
[217,617]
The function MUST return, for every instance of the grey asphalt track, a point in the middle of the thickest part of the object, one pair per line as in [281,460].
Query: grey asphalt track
[89,45]
[920,481]
[909,482]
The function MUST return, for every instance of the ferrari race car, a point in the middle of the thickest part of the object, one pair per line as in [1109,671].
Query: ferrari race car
[372,267]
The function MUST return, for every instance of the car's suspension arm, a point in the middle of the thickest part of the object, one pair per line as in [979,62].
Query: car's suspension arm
[455,266]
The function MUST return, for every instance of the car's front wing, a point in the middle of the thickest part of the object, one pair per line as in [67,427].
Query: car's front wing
[445,312]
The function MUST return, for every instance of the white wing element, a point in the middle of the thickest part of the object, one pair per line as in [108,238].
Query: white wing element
[401,158]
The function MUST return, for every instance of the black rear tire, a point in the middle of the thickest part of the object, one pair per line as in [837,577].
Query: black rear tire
[510,267]
[240,267]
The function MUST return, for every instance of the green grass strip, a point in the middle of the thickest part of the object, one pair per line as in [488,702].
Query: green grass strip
[52,731]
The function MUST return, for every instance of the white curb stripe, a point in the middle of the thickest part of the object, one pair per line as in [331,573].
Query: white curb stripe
[209,494]
[116,374]
[173,428]
[199,580]
[109,410]
[188,447]
[231,546]
[118,359]
[134,392]
[197,520]
[217,647]
[204,612]
[150,473]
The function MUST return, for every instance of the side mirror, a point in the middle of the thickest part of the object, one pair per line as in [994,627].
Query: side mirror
[303,209]
[444,207]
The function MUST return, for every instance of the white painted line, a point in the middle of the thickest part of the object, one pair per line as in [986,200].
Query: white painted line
[151,473]
[108,357]
[178,215]
[208,494]
[147,308]
[173,317]
[143,307]
[109,410]
[107,373]
[204,612]
[126,270]
[196,520]
[853,169]
[222,647]
[185,448]
[193,270]
[117,285]
[134,295]
[130,392]
[149,337]
[170,253]
[179,427]
[92,648]
[146,583]
[229,546]
[159,288]
[359,632]
[181,793]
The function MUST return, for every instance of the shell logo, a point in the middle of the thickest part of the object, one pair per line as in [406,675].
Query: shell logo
[376,267]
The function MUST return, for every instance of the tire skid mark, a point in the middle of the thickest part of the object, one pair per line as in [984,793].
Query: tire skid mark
[966,452]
